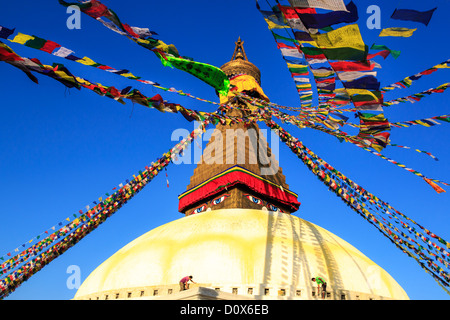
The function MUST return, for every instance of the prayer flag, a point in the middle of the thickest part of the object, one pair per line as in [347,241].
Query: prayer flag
[302,36]
[394,53]
[397,32]
[320,21]
[297,68]
[9,56]
[88,62]
[353,75]
[347,36]
[96,10]
[322,72]
[292,16]
[275,25]
[274,20]
[21,38]
[334,5]
[364,95]
[5,32]
[212,75]
[290,51]
[383,54]
[366,82]
[434,185]
[352,66]
[444,118]
[413,15]
[343,53]
[345,43]
[369,119]
[63,52]
[49,46]
[35,42]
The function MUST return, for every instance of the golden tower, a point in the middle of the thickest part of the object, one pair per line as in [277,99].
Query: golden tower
[238,238]
[238,169]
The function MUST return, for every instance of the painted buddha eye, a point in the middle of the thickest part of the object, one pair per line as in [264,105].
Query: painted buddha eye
[199,209]
[254,199]
[273,208]
[220,199]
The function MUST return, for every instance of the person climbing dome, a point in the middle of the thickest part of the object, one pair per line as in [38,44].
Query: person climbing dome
[321,284]
[184,283]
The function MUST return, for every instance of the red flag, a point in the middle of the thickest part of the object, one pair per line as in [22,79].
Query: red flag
[352,66]
[96,10]
[383,53]
[293,13]
[434,185]
[49,46]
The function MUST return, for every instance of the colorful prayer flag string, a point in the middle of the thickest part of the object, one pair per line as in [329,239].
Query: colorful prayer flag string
[376,212]
[22,266]
[68,54]
[408,81]
[168,54]
[418,96]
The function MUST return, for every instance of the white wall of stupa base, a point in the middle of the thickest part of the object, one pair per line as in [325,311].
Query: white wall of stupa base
[206,291]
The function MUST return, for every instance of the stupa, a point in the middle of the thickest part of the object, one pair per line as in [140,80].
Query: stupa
[238,238]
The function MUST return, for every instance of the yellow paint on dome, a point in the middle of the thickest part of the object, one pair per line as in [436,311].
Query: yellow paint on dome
[242,248]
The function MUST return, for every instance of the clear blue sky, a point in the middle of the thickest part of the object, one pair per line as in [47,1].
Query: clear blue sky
[62,149]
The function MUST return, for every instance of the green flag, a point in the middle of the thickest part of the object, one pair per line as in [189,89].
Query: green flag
[394,53]
[344,53]
[213,76]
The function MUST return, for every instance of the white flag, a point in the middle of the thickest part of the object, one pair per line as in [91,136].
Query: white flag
[334,5]
[63,52]
[353,75]
[301,79]
[291,53]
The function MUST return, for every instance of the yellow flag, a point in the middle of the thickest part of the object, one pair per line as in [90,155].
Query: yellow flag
[423,124]
[352,92]
[311,43]
[397,32]
[143,41]
[346,37]
[169,48]
[407,81]
[273,25]
[64,76]
[83,81]
[303,86]
[21,38]
[377,147]
[86,61]
[295,65]
[322,73]
[128,75]
[442,66]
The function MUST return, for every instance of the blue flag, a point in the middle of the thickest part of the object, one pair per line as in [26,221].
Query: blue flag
[5,32]
[413,15]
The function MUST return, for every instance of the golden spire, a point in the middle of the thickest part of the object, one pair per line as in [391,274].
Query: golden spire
[239,52]
[239,64]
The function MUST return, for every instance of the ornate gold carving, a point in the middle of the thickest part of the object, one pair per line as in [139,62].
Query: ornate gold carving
[239,64]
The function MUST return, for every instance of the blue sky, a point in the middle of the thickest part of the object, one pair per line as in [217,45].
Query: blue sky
[62,149]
